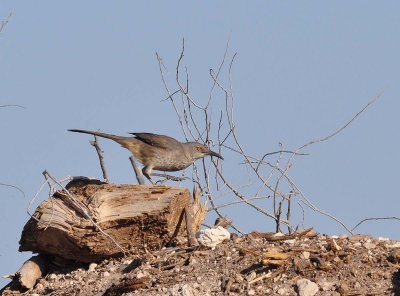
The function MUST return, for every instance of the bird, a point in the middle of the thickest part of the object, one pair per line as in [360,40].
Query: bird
[158,152]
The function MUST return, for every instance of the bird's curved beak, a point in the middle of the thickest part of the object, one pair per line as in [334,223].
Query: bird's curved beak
[212,153]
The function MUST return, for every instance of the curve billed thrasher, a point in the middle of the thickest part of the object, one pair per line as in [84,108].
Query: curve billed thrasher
[158,152]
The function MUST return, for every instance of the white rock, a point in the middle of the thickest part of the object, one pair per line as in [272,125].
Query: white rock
[53,277]
[369,245]
[212,237]
[326,285]
[142,274]
[395,245]
[183,290]
[129,261]
[106,274]
[92,267]
[278,234]
[251,292]
[282,291]
[306,287]
[305,255]
[290,241]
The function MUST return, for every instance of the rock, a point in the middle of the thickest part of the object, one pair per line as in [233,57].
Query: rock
[385,239]
[394,256]
[92,267]
[212,237]
[395,245]
[251,292]
[369,245]
[359,237]
[251,276]
[282,291]
[290,241]
[306,287]
[183,290]
[305,255]
[326,285]
[238,278]
[344,289]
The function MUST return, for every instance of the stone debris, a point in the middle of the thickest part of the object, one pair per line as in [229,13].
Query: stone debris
[305,287]
[212,237]
[246,265]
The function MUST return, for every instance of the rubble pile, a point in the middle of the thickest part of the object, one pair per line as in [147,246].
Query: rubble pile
[253,264]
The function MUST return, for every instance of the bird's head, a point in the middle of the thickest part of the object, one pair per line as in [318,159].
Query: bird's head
[198,151]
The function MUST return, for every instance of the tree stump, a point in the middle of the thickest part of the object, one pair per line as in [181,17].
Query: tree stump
[132,218]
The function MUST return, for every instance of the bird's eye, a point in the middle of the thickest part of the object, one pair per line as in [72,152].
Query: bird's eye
[200,148]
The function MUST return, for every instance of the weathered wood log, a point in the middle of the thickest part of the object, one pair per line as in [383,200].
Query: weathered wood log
[26,277]
[31,271]
[134,217]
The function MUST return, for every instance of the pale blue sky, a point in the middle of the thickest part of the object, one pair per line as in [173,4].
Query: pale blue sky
[302,70]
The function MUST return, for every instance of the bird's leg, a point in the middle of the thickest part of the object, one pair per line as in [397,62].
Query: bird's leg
[169,177]
[147,172]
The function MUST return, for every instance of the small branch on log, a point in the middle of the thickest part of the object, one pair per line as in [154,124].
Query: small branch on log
[138,171]
[189,226]
[100,153]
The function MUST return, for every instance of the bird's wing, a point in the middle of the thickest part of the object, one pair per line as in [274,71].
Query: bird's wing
[160,141]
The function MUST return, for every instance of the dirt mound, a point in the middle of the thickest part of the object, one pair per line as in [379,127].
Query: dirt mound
[248,265]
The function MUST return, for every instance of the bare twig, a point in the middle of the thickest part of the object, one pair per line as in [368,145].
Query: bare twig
[343,127]
[5,22]
[374,219]
[11,105]
[138,171]
[15,187]
[100,154]
[268,174]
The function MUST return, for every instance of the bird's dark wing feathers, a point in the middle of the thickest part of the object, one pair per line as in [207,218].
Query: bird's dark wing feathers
[156,140]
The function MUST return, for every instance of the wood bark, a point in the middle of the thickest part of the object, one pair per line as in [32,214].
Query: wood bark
[137,217]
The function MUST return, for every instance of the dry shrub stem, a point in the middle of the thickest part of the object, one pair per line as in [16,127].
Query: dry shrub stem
[216,127]
[100,154]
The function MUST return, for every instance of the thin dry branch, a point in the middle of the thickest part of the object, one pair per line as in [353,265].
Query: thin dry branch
[100,154]
[374,219]
[138,171]
[5,22]
[12,105]
[210,175]
[13,186]
[343,127]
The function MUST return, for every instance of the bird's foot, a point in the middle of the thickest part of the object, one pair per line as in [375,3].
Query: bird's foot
[168,177]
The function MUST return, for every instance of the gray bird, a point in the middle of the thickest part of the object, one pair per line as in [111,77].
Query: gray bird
[158,152]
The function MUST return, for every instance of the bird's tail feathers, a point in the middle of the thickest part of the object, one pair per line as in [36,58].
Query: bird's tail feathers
[99,134]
